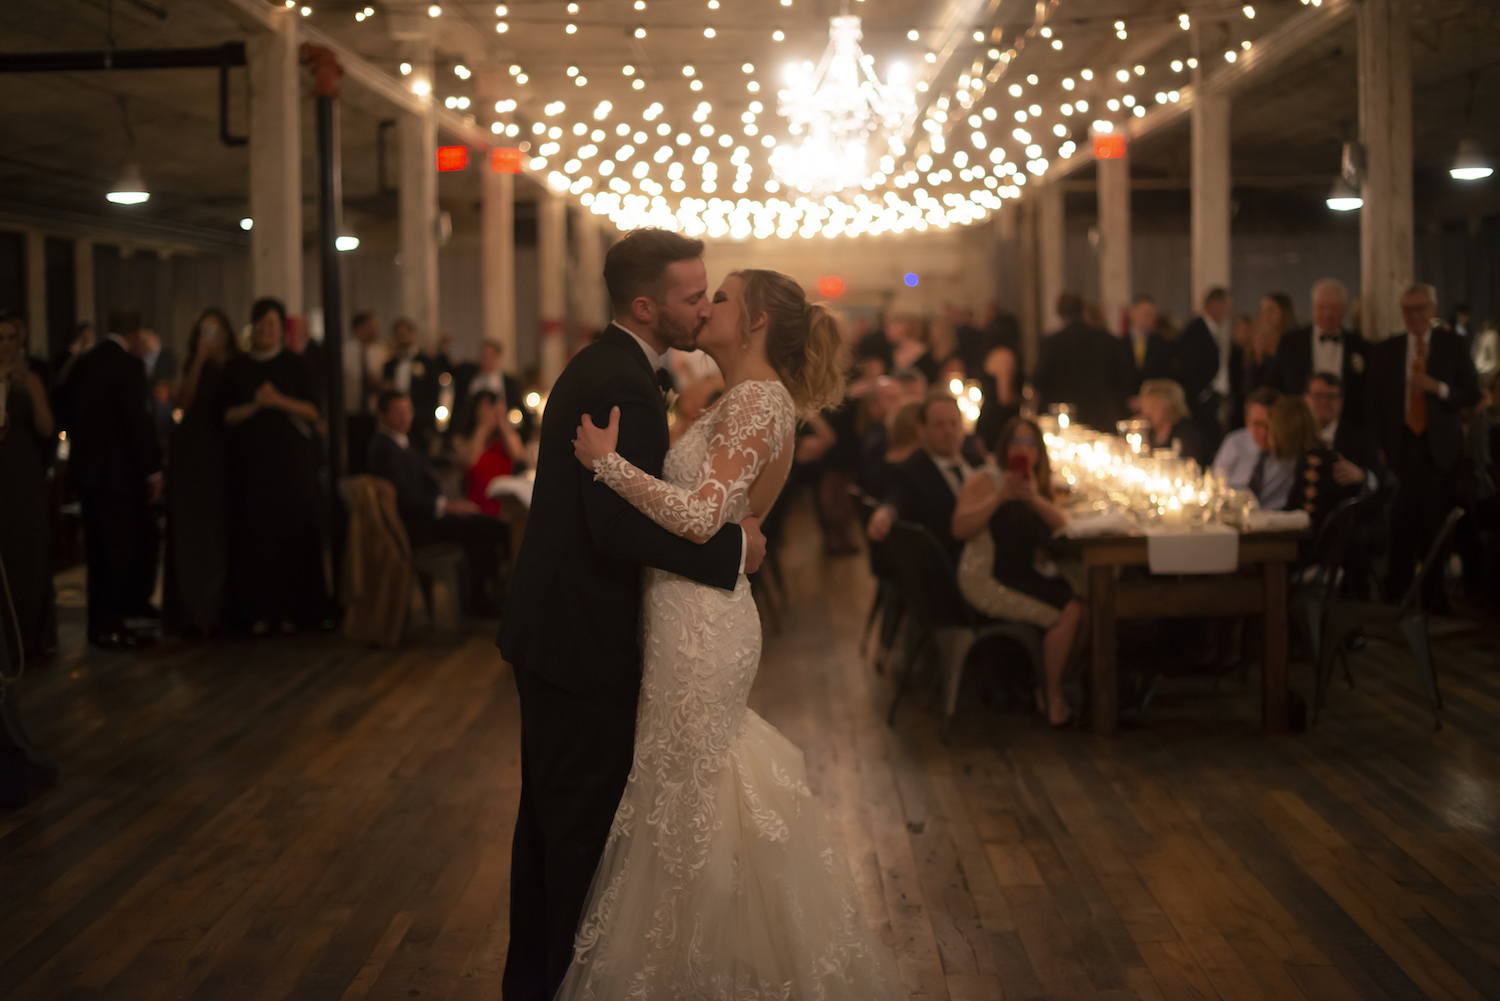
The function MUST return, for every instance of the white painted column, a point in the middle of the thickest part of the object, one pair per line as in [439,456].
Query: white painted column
[1385,224]
[1051,254]
[498,261]
[1114,238]
[36,292]
[552,267]
[85,306]
[1211,190]
[276,163]
[1031,309]
[418,200]
[589,303]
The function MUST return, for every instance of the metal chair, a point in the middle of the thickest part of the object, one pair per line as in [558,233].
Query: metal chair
[1330,550]
[886,607]
[941,618]
[1342,620]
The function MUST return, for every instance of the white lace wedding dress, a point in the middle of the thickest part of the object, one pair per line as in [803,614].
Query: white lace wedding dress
[719,880]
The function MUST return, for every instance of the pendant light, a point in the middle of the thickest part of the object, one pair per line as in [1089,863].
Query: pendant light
[1470,164]
[130,189]
[1343,197]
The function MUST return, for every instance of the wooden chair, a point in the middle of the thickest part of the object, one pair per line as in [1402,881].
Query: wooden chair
[941,618]
[1342,620]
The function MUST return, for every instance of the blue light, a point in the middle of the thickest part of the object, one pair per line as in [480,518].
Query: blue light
[911,279]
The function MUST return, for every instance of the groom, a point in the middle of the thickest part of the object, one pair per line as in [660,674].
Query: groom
[571,626]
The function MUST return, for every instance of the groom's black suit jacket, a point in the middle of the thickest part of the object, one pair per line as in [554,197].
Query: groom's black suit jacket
[573,606]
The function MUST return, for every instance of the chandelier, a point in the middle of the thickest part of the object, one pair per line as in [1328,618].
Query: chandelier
[840,109]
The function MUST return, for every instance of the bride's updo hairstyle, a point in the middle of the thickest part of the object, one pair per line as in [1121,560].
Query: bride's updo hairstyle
[802,339]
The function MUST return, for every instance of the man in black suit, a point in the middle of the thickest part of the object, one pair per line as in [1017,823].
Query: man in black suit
[114,463]
[1325,346]
[573,609]
[1203,368]
[426,513]
[1081,366]
[1144,352]
[470,378]
[1419,381]
[412,371]
[925,487]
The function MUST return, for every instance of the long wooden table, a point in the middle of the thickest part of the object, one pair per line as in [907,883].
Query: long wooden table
[1259,587]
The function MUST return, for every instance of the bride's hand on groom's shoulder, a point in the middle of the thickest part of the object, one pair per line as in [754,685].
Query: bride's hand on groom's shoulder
[593,443]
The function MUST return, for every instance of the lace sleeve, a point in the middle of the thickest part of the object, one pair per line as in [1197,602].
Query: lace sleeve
[749,431]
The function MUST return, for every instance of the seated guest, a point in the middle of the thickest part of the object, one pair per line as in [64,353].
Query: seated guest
[903,441]
[488,375]
[876,410]
[1357,457]
[427,515]
[1246,461]
[1294,436]
[484,446]
[913,384]
[1164,406]
[925,487]
[1006,516]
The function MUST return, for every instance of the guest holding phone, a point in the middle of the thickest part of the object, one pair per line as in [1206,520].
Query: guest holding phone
[1005,519]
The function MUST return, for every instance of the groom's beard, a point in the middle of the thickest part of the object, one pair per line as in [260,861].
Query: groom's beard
[675,335]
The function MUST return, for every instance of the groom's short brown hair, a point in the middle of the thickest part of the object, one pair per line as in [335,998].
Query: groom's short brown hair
[637,265]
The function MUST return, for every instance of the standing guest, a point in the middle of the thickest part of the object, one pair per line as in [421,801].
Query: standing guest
[1278,317]
[1420,380]
[878,408]
[426,513]
[943,348]
[26,430]
[115,466]
[873,345]
[489,375]
[1245,328]
[485,447]
[197,485]
[1315,488]
[64,360]
[275,538]
[908,337]
[1081,366]
[1246,460]
[1146,352]
[363,360]
[998,572]
[161,380]
[926,486]
[1205,364]
[1461,322]
[411,371]
[1164,406]
[1325,346]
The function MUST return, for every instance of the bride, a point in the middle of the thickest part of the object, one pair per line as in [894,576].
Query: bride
[719,879]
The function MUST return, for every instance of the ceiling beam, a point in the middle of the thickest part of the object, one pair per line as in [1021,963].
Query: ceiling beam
[1274,50]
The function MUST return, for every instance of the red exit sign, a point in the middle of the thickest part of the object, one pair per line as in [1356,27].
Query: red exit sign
[452,157]
[1109,146]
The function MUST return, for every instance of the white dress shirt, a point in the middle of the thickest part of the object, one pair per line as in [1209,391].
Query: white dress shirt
[1328,356]
[1223,334]
[1236,462]
[657,361]
[955,471]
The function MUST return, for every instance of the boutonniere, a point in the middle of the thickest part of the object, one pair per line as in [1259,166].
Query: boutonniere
[669,398]
[1357,362]
[418,370]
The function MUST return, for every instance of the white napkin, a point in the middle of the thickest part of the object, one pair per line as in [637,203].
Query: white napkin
[1276,521]
[518,487]
[1108,523]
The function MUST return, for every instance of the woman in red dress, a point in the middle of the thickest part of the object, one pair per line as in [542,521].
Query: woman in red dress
[486,447]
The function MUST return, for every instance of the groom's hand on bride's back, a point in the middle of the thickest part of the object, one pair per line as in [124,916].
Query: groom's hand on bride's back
[755,544]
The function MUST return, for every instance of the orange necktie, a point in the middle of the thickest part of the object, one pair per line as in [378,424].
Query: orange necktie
[1416,400]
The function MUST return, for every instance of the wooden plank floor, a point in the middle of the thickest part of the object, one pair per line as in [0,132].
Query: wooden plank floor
[299,818]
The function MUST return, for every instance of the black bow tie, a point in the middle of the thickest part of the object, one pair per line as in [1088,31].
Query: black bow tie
[1327,338]
[664,380]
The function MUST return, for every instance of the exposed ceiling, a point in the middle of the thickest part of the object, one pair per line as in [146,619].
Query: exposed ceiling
[68,134]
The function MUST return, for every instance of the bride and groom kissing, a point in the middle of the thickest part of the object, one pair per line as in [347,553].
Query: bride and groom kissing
[666,843]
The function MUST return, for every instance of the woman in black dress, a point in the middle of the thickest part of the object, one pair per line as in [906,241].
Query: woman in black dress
[1294,435]
[197,489]
[1008,515]
[25,537]
[275,539]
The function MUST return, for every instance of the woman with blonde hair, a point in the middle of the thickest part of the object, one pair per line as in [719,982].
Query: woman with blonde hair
[1294,435]
[719,873]
[1164,406]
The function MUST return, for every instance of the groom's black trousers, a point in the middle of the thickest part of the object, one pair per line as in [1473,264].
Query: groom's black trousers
[575,757]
